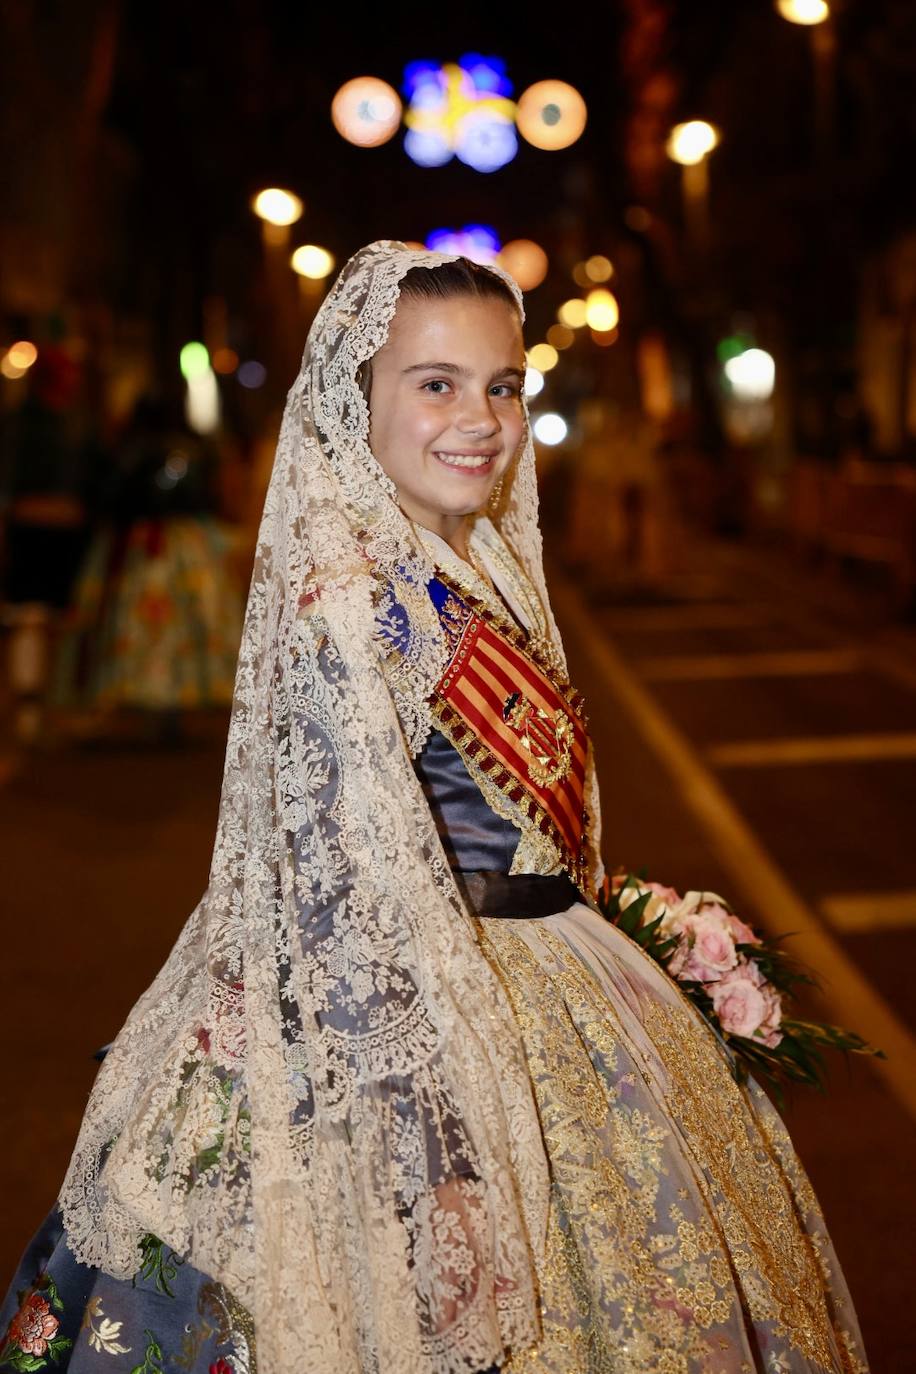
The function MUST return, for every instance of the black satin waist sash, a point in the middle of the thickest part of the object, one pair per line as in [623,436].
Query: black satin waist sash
[516,896]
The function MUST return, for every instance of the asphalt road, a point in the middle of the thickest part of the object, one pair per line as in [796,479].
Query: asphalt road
[107,846]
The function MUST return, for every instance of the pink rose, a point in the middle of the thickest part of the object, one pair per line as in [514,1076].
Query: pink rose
[667,894]
[746,1004]
[742,932]
[33,1325]
[707,948]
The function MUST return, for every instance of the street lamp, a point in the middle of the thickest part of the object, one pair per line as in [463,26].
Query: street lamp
[815,14]
[804,11]
[312,262]
[689,145]
[277,210]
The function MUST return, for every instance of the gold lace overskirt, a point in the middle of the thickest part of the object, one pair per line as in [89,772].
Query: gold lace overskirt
[683,1234]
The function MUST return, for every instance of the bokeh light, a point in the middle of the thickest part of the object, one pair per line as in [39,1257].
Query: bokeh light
[550,429]
[252,375]
[804,11]
[312,262]
[485,143]
[602,312]
[479,242]
[460,109]
[752,374]
[599,268]
[526,261]
[22,354]
[534,382]
[277,207]
[202,412]
[543,356]
[194,360]
[689,143]
[366,111]
[561,336]
[9,370]
[224,361]
[573,313]
[551,115]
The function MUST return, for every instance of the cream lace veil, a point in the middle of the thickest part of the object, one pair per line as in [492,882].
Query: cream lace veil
[322,1100]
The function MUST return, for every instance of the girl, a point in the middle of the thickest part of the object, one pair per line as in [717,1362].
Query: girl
[401,1100]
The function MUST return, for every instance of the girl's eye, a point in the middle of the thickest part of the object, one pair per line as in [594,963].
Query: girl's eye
[506,389]
[435,385]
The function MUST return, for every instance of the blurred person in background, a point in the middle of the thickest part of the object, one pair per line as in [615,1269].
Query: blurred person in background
[50,474]
[401,1099]
[156,617]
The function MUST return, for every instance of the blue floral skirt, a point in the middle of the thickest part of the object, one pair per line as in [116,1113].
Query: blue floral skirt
[59,1314]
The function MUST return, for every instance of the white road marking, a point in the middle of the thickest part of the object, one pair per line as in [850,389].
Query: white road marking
[715,667]
[853,1000]
[858,911]
[770,753]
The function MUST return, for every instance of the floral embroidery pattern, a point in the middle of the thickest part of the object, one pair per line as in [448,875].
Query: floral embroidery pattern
[31,1342]
[104,1337]
[158,1265]
[152,1357]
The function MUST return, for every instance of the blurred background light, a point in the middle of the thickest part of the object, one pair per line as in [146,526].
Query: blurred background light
[751,375]
[543,356]
[551,115]
[479,242]
[224,361]
[366,111]
[312,262]
[526,261]
[427,147]
[534,382]
[487,73]
[193,360]
[602,312]
[22,354]
[9,370]
[172,471]
[485,143]
[689,143]
[637,218]
[804,11]
[550,429]
[277,207]
[252,374]
[561,336]
[202,412]
[573,313]
[599,268]
[460,109]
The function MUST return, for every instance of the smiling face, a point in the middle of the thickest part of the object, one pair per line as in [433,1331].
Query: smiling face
[446,408]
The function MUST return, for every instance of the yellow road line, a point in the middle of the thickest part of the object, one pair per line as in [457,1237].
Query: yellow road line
[852,998]
[768,753]
[856,911]
[713,667]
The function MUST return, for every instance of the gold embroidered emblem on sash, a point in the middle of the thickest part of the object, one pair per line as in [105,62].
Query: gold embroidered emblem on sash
[547,737]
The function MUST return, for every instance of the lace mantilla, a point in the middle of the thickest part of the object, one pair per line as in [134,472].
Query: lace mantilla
[322,1101]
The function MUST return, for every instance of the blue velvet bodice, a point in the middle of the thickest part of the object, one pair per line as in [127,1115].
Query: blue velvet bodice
[472,835]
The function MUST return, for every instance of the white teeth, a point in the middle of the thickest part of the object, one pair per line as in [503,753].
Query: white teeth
[465,460]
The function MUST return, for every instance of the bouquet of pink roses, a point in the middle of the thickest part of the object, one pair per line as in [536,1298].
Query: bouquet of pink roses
[739,981]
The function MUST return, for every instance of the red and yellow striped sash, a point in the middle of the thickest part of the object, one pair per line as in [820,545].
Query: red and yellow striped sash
[514,719]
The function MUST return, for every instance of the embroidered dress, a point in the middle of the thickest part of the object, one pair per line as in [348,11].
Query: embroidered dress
[371,1117]
[682,1233]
